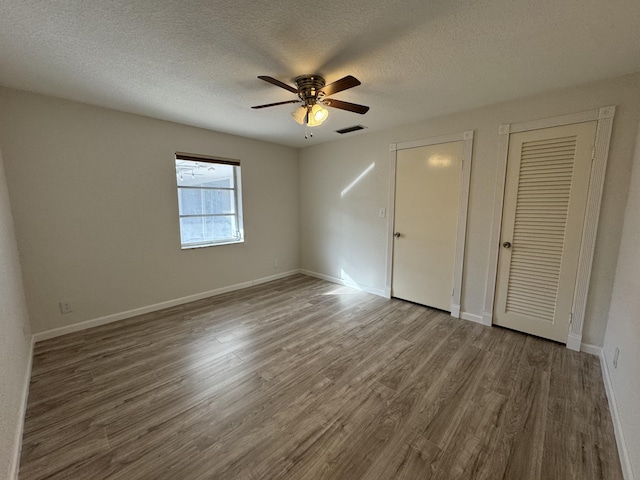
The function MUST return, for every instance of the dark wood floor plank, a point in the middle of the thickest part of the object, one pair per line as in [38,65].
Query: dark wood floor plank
[435,331]
[440,419]
[469,453]
[300,379]
[526,424]
[573,455]
[408,456]
[502,370]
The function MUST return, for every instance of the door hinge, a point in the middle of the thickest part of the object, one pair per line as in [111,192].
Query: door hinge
[570,319]
[593,153]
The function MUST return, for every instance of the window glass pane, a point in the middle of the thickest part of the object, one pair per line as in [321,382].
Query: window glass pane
[194,201]
[198,230]
[221,227]
[189,202]
[192,230]
[218,201]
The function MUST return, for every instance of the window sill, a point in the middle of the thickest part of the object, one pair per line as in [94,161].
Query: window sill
[231,242]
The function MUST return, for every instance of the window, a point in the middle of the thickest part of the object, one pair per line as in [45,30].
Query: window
[209,200]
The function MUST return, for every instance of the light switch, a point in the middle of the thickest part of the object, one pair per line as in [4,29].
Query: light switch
[382,212]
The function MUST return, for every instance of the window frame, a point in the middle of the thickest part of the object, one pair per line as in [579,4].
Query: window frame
[237,200]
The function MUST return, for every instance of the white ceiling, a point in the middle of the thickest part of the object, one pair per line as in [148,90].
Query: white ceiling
[196,61]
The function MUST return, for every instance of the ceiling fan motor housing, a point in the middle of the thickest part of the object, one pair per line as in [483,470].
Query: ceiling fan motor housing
[309,87]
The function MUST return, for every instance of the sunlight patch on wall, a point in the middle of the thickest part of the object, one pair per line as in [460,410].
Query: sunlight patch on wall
[357,179]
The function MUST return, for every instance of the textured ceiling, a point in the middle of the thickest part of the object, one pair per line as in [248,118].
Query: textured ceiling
[196,62]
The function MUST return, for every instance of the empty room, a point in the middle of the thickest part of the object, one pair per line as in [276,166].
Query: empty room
[302,241]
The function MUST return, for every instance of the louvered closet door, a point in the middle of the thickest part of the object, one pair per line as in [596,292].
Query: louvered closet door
[545,199]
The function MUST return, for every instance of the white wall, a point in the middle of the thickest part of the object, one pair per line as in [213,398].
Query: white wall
[623,328]
[94,199]
[342,236]
[15,340]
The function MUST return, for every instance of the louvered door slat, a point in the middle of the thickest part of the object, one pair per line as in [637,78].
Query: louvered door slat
[525,276]
[534,256]
[547,141]
[533,268]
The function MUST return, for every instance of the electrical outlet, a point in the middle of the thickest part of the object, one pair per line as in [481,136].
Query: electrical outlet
[276,262]
[65,307]
[616,354]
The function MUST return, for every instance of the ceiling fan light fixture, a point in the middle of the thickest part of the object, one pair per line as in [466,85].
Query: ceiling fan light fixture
[298,114]
[317,115]
[313,92]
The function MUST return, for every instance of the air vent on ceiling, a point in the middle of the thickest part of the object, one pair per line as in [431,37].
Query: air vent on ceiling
[355,128]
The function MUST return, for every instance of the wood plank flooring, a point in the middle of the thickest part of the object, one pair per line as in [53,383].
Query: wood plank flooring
[302,379]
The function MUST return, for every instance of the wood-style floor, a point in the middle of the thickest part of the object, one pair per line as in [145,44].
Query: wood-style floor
[303,379]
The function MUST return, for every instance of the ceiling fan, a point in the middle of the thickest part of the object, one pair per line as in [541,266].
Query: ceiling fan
[312,92]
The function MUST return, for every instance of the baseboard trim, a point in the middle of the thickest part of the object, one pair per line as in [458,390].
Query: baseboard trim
[591,349]
[574,342]
[455,310]
[17,442]
[625,460]
[365,288]
[472,317]
[95,322]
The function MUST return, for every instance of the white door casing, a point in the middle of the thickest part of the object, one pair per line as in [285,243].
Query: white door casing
[467,145]
[604,117]
[545,198]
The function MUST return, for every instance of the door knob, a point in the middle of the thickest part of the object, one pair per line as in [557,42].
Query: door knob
[397,234]
[506,244]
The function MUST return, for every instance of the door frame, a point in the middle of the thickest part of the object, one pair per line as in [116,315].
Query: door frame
[604,117]
[463,201]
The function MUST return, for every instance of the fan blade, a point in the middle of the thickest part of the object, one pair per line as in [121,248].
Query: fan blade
[351,107]
[340,85]
[278,83]
[277,103]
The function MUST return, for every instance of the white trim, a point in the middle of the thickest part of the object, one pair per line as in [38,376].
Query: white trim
[474,318]
[591,217]
[623,451]
[346,283]
[580,117]
[501,178]
[604,116]
[463,210]
[463,205]
[451,137]
[391,215]
[574,342]
[17,439]
[591,349]
[95,322]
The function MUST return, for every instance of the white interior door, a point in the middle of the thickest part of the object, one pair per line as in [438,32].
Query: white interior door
[545,199]
[427,196]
